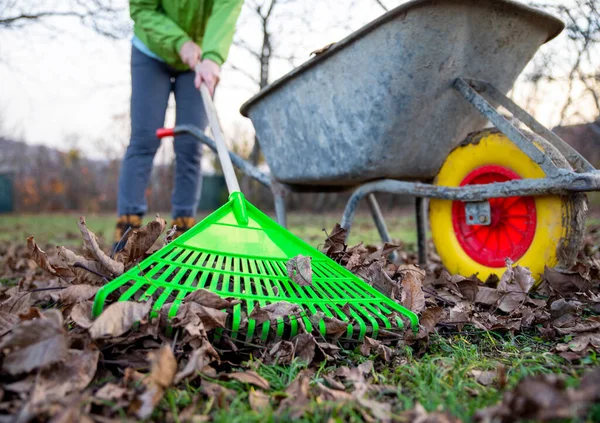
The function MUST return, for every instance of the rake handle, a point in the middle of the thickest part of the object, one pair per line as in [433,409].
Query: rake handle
[222,151]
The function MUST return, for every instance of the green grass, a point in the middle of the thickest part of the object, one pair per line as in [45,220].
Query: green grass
[61,228]
[439,379]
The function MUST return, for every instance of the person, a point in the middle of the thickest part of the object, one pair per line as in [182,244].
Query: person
[177,45]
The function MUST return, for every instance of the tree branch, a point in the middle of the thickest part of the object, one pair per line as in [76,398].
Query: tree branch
[37,16]
[383,6]
[244,72]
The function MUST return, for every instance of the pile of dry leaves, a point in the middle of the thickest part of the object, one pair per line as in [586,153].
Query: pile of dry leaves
[58,363]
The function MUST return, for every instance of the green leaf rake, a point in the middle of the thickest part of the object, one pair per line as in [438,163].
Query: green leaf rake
[240,252]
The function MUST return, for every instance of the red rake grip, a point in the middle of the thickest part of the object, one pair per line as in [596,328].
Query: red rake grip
[165,132]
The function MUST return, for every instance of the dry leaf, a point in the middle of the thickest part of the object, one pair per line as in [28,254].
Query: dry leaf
[420,415]
[193,314]
[469,288]
[216,391]
[81,275]
[327,394]
[118,318]
[35,343]
[81,314]
[297,396]
[381,411]
[14,300]
[429,318]
[386,249]
[199,359]
[561,307]
[334,327]
[513,287]
[281,353]
[274,311]
[305,347]
[327,351]
[485,378]
[356,375]
[461,312]
[371,346]
[164,367]
[258,400]
[77,293]
[74,410]
[592,324]
[333,383]
[60,270]
[413,297]
[250,377]
[541,398]
[487,296]
[566,283]
[32,313]
[91,244]
[368,345]
[73,374]
[321,50]
[111,392]
[581,343]
[140,241]
[7,321]
[207,298]
[375,276]
[299,270]
[335,244]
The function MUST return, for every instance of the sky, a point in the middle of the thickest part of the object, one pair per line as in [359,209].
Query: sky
[63,85]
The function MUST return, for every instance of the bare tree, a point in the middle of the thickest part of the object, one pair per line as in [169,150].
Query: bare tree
[263,16]
[574,63]
[273,20]
[281,25]
[103,16]
[382,5]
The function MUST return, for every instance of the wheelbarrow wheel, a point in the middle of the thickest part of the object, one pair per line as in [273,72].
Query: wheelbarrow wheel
[531,231]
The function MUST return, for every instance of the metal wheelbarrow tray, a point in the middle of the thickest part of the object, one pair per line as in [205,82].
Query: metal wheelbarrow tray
[401,106]
[379,103]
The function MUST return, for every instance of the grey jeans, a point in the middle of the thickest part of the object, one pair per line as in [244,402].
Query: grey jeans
[152,81]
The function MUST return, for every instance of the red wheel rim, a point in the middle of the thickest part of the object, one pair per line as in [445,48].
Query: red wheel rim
[512,225]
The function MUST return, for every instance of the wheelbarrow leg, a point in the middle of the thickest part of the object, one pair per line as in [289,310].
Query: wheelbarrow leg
[380,222]
[421,215]
[279,193]
[280,212]
[378,218]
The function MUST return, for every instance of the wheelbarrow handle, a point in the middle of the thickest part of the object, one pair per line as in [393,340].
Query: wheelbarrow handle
[222,151]
[165,132]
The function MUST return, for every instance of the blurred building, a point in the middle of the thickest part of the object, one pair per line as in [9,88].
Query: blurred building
[584,138]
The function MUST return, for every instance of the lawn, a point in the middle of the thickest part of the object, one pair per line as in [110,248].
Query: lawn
[61,228]
[440,373]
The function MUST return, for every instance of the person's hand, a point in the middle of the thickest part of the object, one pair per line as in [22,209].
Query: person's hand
[190,53]
[207,72]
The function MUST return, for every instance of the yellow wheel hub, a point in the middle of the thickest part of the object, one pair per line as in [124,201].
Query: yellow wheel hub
[531,231]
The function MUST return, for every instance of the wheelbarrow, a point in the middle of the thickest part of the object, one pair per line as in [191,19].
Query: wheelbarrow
[403,106]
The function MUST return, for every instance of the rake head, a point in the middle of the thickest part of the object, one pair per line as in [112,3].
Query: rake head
[239,252]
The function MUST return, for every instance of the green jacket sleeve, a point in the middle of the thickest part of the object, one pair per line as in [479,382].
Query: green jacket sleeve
[219,29]
[162,35]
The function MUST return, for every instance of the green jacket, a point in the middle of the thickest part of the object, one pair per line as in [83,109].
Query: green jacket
[164,25]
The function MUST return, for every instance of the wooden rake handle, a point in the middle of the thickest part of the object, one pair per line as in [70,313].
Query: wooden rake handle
[222,151]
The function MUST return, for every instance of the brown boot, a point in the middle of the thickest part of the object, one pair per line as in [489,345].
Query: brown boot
[125,223]
[183,224]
